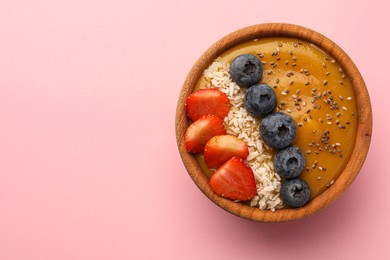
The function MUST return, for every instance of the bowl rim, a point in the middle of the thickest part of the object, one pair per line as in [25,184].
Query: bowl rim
[364,114]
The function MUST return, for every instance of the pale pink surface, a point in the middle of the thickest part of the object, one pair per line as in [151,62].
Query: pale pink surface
[89,167]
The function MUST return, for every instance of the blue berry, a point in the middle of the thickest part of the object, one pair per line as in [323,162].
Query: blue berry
[278,130]
[246,70]
[289,162]
[260,100]
[295,192]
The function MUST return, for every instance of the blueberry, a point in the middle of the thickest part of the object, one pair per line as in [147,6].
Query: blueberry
[295,192]
[260,100]
[246,70]
[278,130]
[289,162]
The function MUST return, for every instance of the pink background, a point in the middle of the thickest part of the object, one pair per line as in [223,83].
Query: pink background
[89,167]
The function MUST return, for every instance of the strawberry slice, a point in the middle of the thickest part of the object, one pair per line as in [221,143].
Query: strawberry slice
[210,101]
[221,148]
[199,132]
[234,180]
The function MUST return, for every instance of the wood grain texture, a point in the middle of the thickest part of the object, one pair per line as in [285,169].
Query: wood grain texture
[364,114]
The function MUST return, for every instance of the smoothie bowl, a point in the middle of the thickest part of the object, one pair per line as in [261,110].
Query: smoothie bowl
[273,122]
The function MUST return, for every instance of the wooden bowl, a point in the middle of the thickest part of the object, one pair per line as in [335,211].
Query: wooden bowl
[363,111]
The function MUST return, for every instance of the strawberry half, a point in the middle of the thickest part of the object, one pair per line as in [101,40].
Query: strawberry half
[234,180]
[210,101]
[221,148]
[199,132]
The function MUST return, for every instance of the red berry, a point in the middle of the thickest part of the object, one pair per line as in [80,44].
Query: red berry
[199,132]
[221,148]
[234,180]
[210,101]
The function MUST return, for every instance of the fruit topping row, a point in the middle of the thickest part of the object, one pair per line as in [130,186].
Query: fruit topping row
[278,130]
[224,153]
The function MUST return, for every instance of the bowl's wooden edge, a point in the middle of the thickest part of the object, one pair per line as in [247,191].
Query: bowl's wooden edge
[364,114]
